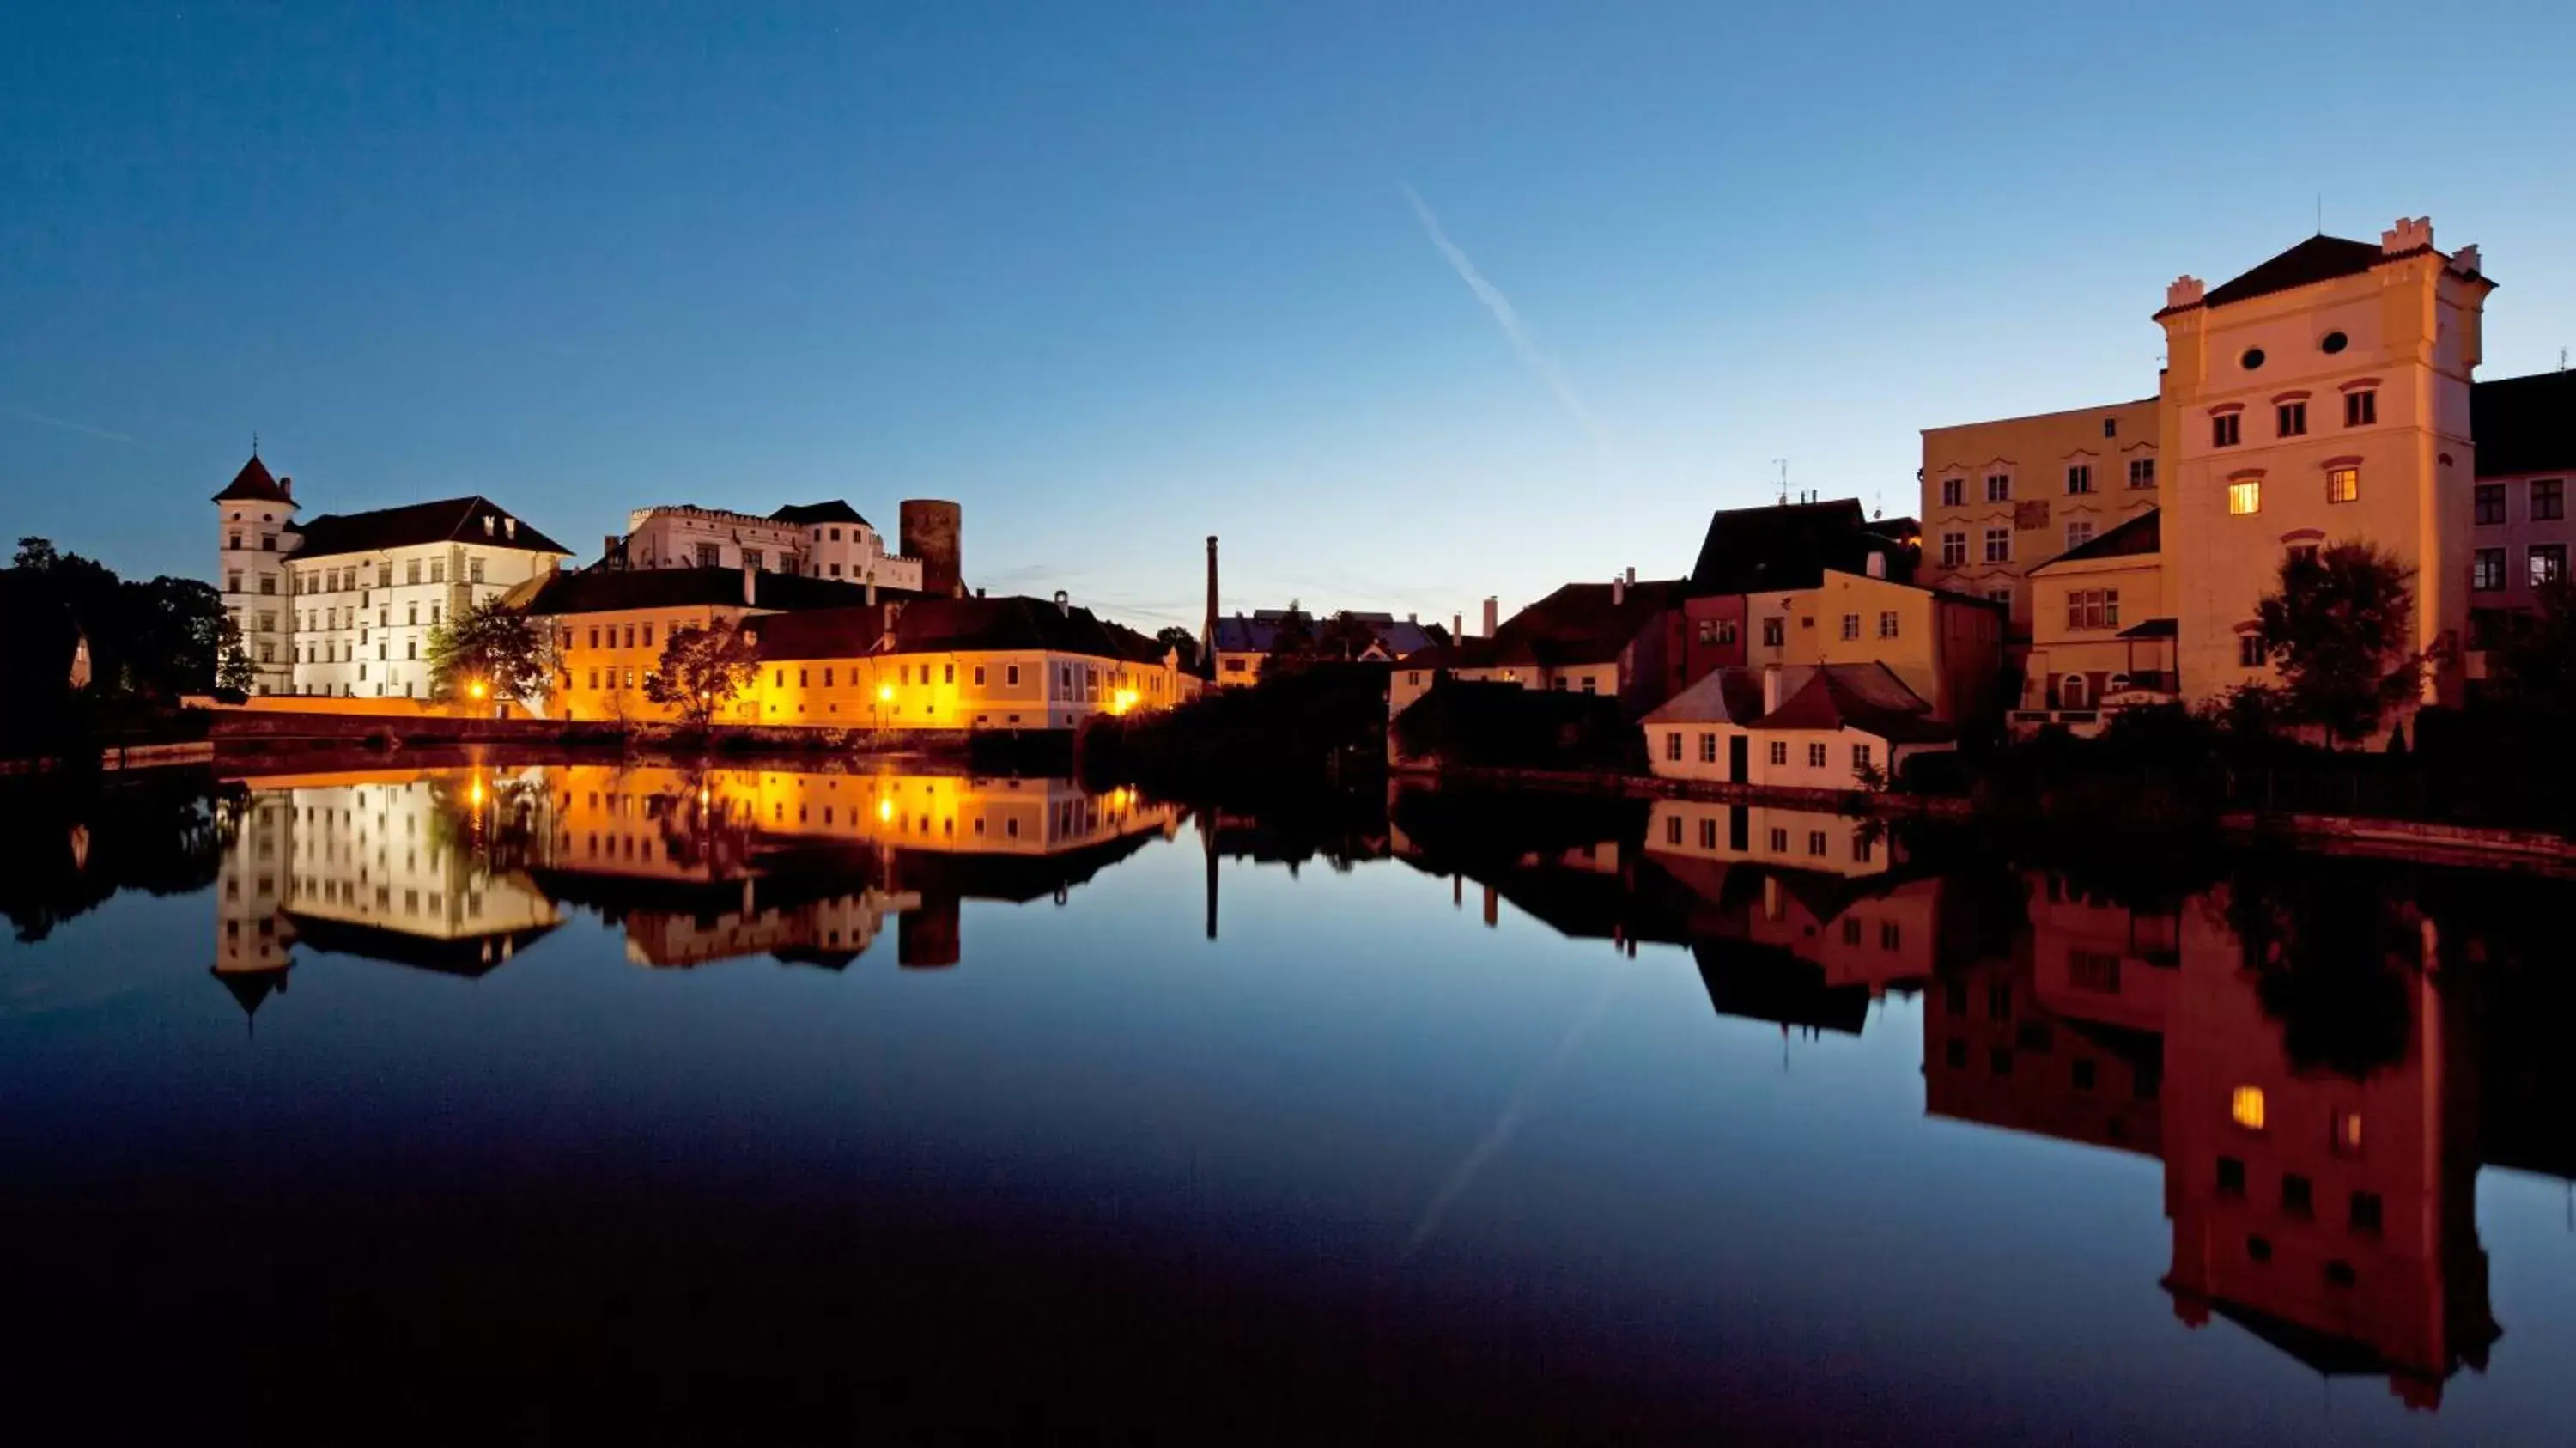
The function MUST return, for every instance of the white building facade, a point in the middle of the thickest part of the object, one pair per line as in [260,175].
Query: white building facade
[816,540]
[343,606]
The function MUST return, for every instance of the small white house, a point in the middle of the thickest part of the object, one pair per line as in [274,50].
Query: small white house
[1825,726]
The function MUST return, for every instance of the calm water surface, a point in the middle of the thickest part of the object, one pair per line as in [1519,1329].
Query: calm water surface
[534,1097]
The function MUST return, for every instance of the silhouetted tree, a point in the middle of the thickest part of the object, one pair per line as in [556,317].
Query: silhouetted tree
[702,670]
[2339,628]
[500,650]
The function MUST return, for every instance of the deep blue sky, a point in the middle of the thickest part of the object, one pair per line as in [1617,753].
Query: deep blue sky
[1118,277]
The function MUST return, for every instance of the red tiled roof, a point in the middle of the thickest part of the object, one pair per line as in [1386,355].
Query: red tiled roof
[2317,259]
[253,484]
[1836,699]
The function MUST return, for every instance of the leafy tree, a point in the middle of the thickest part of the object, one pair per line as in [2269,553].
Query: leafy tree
[2339,629]
[234,675]
[2534,661]
[36,555]
[498,651]
[1184,641]
[702,670]
[1344,636]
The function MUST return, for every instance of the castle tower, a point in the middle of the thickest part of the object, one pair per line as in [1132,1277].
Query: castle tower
[255,531]
[932,532]
[2321,398]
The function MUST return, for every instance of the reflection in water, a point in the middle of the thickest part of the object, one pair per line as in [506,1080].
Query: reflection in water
[456,870]
[2316,1058]
[2289,1050]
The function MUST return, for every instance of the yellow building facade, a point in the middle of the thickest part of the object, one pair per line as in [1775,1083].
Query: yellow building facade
[1947,648]
[2321,398]
[2002,497]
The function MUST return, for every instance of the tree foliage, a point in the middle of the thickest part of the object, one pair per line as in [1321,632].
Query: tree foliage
[1184,642]
[501,650]
[149,641]
[2339,628]
[2533,662]
[702,670]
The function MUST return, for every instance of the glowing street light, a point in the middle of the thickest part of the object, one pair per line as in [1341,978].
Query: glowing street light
[476,689]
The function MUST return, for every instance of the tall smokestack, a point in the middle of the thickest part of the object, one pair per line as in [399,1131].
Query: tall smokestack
[1493,616]
[1207,635]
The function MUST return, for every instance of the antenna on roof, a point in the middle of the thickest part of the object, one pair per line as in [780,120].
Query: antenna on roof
[2321,213]
[1783,464]
[254,437]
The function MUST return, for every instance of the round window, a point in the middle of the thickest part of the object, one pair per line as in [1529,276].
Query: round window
[2252,359]
[2335,342]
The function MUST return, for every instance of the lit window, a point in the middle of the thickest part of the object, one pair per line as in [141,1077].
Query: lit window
[2347,1133]
[2486,570]
[2343,485]
[2245,1107]
[2548,563]
[2245,497]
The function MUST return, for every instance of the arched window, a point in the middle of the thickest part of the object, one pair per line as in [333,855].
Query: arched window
[2070,692]
[2119,684]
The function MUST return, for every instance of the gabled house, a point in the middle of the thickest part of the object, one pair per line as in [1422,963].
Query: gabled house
[1830,726]
[1618,640]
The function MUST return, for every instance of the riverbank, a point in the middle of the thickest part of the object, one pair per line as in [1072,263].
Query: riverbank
[2431,842]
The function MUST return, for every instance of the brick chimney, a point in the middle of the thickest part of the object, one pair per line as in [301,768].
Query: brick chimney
[1618,590]
[1493,615]
[286,486]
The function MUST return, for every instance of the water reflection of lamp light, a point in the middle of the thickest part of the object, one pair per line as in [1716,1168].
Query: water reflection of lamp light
[885,693]
[474,792]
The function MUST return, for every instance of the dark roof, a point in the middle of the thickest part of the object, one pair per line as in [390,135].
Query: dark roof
[471,956]
[1841,697]
[250,987]
[450,520]
[2154,628]
[1790,545]
[253,484]
[808,513]
[605,590]
[1258,632]
[1586,623]
[2138,536]
[2524,424]
[2317,259]
[1724,696]
[944,625]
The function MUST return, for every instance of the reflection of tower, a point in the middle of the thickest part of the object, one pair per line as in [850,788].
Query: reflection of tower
[926,938]
[2333,1215]
[252,938]
[933,532]
[1207,837]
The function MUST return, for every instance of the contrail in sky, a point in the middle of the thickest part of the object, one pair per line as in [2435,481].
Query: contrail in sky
[83,428]
[1507,317]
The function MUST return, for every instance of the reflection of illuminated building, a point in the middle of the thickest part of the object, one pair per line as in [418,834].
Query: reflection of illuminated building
[2335,1217]
[807,865]
[252,936]
[1795,916]
[2329,1212]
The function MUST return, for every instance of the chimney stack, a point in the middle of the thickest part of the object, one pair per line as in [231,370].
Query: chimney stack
[1493,615]
[1632,575]
[1457,627]
[1207,635]
[286,486]
[1618,590]
[1877,564]
[1770,688]
[609,552]
[1064,603]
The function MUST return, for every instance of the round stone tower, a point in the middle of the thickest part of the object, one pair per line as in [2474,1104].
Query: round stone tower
[932,532]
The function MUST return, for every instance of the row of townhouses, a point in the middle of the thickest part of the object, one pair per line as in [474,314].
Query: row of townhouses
[2067,566]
